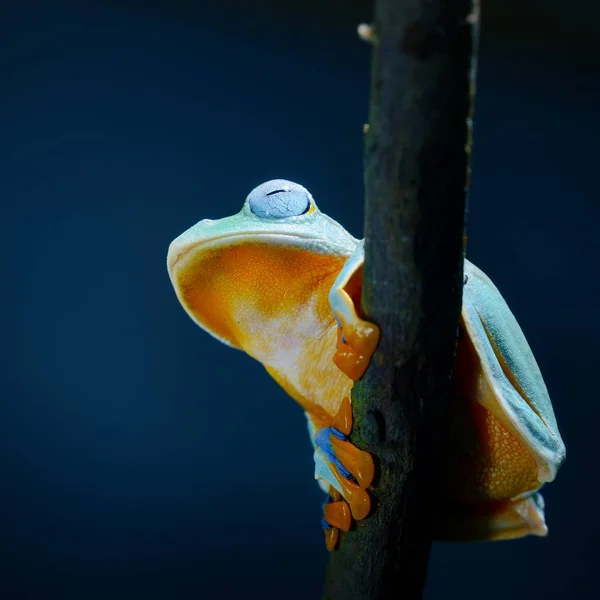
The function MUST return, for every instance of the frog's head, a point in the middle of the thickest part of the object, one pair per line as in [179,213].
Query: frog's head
[263,263]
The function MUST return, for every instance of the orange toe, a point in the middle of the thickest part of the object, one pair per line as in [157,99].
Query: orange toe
[343,419]
[348,361]
[338,515]
[331,538]
[357,498]
[363,337]
[358,462]
[353,356]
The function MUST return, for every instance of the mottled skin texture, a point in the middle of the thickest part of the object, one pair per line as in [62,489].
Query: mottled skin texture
[281,281]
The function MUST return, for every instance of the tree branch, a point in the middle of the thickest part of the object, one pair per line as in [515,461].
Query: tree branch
[416,168]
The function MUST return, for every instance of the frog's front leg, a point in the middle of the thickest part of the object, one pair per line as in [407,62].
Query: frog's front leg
[357,338]
[343,471]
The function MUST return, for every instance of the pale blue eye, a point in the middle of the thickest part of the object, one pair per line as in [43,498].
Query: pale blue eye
[279,199]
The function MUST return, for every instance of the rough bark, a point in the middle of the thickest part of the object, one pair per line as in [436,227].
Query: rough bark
[417,151]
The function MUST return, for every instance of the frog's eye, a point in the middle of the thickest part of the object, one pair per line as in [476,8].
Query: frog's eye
[279,199]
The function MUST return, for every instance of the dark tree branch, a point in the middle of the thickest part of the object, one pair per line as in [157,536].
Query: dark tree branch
[416,161]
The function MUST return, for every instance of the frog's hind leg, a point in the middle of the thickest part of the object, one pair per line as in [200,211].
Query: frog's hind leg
[343,471]
[340,465]
[504,520]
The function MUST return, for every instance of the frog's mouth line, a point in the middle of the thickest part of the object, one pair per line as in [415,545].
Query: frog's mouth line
[175,254]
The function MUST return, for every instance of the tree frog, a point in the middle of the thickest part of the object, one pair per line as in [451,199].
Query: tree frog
[281,281]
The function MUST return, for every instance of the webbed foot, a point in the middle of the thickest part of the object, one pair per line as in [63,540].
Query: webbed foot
[348,471]
[355,346]
[336,516]
[357,338]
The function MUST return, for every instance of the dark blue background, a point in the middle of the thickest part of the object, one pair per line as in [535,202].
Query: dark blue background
[139,457]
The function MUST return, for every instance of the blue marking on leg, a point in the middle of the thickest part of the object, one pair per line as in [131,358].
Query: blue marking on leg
[340,326]
[338,434]
[324,523]
[324,443]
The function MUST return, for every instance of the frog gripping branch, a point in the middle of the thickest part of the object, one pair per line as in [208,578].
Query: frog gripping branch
[282,281]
